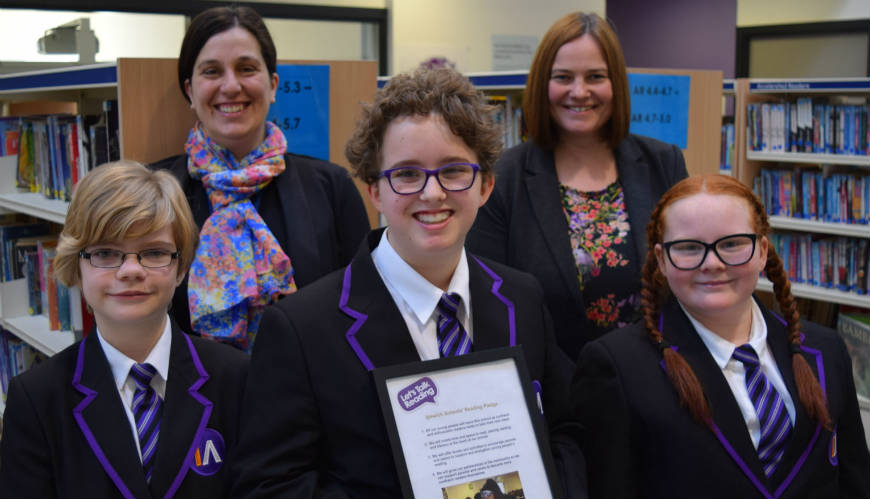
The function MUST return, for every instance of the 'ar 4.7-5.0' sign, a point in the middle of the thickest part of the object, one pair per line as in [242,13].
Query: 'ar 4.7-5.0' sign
[660,106]
[301,108]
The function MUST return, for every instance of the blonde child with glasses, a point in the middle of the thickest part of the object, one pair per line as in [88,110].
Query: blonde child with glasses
[137,408]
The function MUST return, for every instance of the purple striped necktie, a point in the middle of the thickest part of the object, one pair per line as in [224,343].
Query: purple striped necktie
[772,414]
[452,338]
[147,411]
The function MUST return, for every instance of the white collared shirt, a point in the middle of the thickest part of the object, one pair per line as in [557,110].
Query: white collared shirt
[417,299]
[735,374]
[121,364]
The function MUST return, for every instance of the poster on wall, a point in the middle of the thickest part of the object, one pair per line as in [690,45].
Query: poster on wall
[301,108]
[660,106]
[461,424]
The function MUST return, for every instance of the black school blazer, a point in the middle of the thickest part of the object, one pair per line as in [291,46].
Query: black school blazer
[66,434]
[313,422]
[642,443]
[523,226]
[313,209]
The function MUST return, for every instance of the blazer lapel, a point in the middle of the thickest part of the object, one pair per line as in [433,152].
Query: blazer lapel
[377,332]
[103,422]
[805,432]
[729,426]
[189,412]
[635,182]
[494,315]
[543,187]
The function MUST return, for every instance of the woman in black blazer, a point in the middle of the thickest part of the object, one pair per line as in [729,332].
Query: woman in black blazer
[86,423]
[305,215]
[714,395]
[571,204]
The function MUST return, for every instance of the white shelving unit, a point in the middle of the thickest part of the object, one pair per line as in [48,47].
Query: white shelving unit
[759,90]
[819,293]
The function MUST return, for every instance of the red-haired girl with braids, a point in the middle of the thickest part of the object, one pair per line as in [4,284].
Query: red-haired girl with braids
[712,394]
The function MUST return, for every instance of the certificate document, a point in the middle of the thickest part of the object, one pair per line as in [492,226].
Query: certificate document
[459,425]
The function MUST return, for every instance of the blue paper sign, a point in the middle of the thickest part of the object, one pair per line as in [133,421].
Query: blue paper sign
[301,109]
[660,106]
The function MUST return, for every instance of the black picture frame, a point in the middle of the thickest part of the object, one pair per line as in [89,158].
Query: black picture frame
[384,374]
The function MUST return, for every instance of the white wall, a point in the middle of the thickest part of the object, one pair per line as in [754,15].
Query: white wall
[120,34]
[462,30]
[764,12]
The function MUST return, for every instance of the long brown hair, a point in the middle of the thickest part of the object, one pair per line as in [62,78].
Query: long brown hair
[536,97]
[655,290]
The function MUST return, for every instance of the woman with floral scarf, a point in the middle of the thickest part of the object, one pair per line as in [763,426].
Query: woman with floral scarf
[271,221]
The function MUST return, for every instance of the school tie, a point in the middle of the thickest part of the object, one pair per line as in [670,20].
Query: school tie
[772,414]
[147,410]
[452,338]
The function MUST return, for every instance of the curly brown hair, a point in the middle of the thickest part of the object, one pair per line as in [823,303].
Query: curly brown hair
[441,91]
[655,291]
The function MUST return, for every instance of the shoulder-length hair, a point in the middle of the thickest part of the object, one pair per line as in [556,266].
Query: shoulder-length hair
[536,98]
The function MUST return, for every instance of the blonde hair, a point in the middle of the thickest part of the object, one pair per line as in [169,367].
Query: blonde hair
[123,200]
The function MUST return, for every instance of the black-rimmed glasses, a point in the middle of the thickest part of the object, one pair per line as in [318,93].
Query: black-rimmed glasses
[454,177]
[689,254]
[112,259]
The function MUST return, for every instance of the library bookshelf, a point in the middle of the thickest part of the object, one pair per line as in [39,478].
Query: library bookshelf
[752,163]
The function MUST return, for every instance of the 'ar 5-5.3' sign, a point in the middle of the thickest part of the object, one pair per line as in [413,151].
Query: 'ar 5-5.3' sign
[301,108]
[660,106]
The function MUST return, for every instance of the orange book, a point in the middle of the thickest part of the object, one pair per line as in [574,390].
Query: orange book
[51,291]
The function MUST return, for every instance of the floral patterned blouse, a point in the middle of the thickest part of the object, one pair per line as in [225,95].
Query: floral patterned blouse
[607,264]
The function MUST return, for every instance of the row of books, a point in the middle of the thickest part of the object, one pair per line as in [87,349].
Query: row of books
[808,125]
[16,357]
[509,115]
[809,194]
[27,250]
[54,151]
[827,261]
[726,149]
[9,136]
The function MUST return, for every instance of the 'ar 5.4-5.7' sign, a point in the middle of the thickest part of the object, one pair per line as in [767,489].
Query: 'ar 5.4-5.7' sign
[301,108]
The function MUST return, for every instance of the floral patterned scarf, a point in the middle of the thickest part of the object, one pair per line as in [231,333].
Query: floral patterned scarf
[239,267]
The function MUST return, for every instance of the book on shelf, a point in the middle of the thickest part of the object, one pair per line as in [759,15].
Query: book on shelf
[9,130]
[808,193]
[726,154]
[808,125]
[854,327]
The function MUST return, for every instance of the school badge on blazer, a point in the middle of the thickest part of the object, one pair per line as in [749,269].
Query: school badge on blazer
[833,456]
[209,453]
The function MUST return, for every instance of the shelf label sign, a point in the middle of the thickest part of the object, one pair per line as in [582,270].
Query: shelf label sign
[660,107]
[301,108]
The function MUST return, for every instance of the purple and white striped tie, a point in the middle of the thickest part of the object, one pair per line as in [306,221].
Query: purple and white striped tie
[147,411]
[452,338]
[772,414]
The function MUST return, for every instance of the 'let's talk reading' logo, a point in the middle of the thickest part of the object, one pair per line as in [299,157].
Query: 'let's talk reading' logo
[417,393]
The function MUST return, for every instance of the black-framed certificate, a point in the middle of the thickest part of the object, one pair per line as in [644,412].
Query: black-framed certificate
[460,425]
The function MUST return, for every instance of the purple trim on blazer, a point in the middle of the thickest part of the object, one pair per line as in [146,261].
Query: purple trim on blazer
[509,304]
[800,462]
[359,320]
[206,414]
[89,436]
[740,462]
